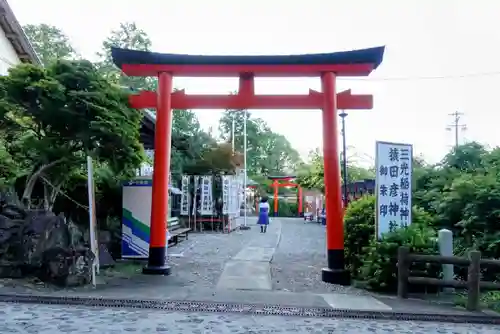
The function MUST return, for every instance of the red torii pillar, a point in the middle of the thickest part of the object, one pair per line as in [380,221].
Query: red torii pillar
[300,213]
[327,66]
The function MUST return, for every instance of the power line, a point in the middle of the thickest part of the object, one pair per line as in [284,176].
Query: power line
[419,78]
[456,126]
[58,189]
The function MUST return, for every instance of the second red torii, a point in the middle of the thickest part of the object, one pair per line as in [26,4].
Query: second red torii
[277,184]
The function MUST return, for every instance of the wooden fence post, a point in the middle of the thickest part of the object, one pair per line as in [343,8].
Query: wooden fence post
[473,280]
[403,271]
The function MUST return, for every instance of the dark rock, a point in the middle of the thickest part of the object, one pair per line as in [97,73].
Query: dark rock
[104,237]
[13,212]
[105,259]
[41,244]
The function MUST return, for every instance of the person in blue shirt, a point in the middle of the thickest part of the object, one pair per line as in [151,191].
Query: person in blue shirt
[263,214]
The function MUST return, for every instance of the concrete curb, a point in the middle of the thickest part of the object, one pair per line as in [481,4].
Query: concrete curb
[251,309]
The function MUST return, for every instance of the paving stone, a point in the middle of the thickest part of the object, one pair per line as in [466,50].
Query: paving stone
[246,275]
[50,319]
[299,255]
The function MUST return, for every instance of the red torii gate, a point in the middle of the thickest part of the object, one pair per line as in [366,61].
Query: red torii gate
[327,66]
[276,184]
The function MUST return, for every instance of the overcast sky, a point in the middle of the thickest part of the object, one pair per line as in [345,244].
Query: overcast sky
[454,42]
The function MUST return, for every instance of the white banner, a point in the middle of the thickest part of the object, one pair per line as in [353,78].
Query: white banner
[206,195]
[185,195]
[393,184]
[225,194]
[196,181]
[146,168]
[234,196]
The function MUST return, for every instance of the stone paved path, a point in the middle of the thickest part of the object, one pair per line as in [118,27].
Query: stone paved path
[48,319]
[250,268]
[200,260]
[281,267]
[299,257]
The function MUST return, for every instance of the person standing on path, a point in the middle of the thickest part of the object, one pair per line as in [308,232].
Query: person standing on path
[263,214]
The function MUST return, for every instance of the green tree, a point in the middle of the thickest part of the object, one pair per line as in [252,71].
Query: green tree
[9,170]
[281,157]
[53,117]
[189,141]
[217,159]
[311,174]
[127,36]
[50,43]
[267,152]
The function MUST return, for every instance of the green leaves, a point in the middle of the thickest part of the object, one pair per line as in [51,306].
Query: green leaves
[57,115]
[49,42]
[9,170]
[379,268]
[127,36]
[359,230]
[267,152]
[374,261]
[311,175]
[462,193]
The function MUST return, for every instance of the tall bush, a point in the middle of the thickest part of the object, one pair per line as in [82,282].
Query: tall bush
[379,269]
[359,232]
[359,226]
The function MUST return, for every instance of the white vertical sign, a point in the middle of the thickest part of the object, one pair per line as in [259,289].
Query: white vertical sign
[206,195]
[94,241]
[185,195]
[146,168]
[225,194]
[393,185]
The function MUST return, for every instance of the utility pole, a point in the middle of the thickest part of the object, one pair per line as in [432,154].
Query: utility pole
[343,115]
[245,179]
[233,126]
[456,126]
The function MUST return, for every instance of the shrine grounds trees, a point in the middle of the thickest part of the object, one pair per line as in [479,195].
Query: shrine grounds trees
[268,153]
[53,116]
[50,43]
[461,193]
[310,174]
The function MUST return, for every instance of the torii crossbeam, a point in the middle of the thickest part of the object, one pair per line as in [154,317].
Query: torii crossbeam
[327,66]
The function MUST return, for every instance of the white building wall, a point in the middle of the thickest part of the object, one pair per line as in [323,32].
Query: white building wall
[8,56]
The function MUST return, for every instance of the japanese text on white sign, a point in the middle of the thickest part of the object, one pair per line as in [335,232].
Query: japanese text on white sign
[394,171]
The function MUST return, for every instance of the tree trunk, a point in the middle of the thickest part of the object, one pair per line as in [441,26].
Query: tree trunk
[45,197]
[30,185]
[53,196]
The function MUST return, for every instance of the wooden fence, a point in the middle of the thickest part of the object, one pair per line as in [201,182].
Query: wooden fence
[473,283]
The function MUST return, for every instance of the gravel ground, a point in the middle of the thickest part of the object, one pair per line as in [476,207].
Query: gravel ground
[299,258]
[197,262]
[200,260]
[49,319]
